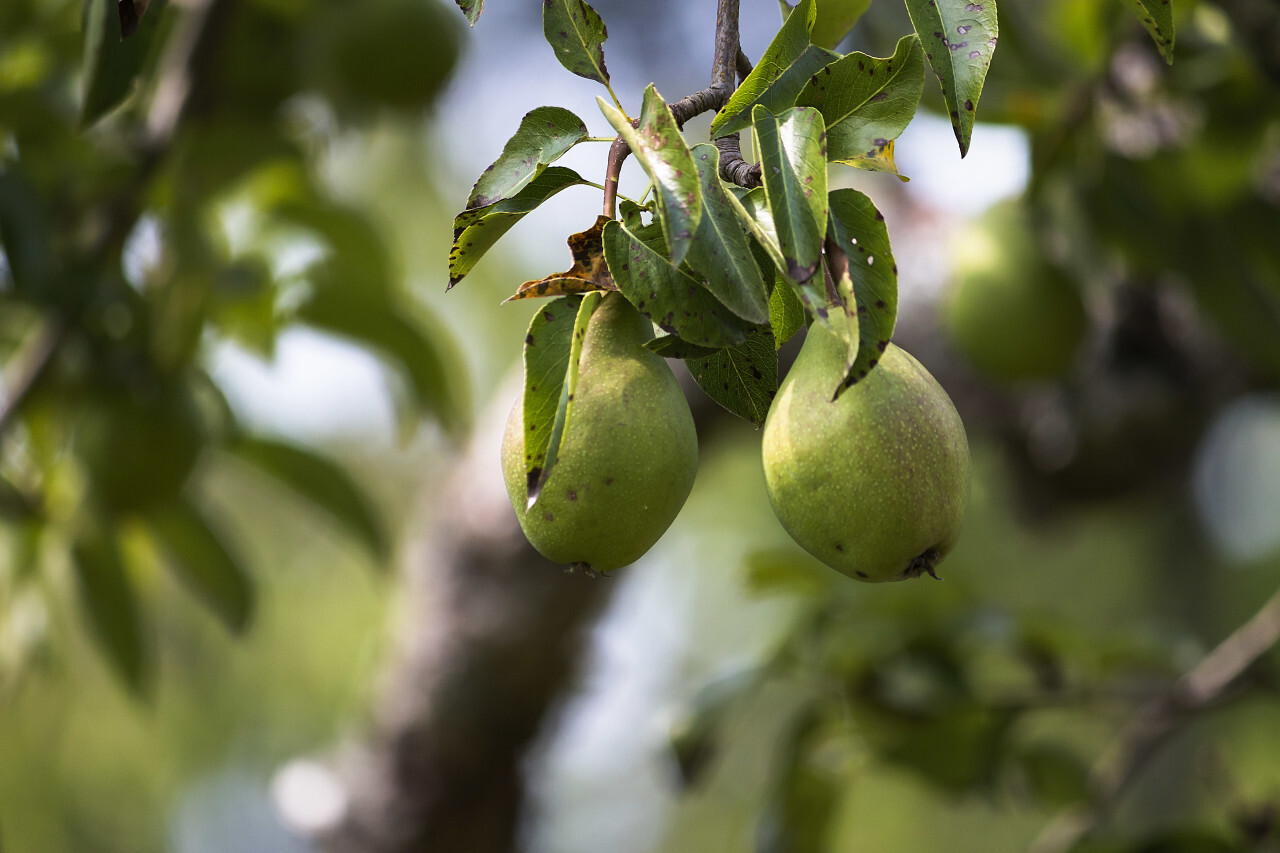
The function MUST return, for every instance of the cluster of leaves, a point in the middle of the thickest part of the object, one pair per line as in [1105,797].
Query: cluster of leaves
[111,411]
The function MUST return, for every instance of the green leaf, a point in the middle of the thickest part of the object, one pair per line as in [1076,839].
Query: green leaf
[860,232]
[1056,776]
[759,220]
[1157,17]
[742,378]
[547,347]
[475,231]
[807,792]
[779,75]
[867,103]
[576,33]
[544,135]
[25,236]
[786,570]
[321,482]
[657,143]
[108,599]
[676,301]
[670,346]
[959,37]
[786,313]
[564,407]
[201,560]
[835,19]
[111,61]
[794,171]
[721,250]
[472,9]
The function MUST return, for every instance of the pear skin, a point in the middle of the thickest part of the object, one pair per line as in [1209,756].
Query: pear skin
[627,458]
[874,484]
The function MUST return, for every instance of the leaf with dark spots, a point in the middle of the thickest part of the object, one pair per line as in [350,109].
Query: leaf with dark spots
[742,378]
[1157,17]
[779,75]
[959,38]
[547,346]
[670,346]
[475,231]
[472,9]
[860,232]
[794,171]
[564,404]
[660,148]
[676,301]
[866,103]
[589,271]
[721,249]
[577,35]
[544,135]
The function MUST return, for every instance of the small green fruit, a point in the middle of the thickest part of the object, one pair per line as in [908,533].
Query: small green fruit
[874,484]
[1011,313]
[627,458]
[140,450]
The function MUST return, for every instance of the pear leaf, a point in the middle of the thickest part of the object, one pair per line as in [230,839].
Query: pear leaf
[721,250]
[577,35]
[1157,17]
[547,347]
[589,271]
[860,232]
[742,378]
[544,135]
[959,38]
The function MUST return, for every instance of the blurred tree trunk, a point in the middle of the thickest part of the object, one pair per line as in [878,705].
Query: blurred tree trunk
[491,637]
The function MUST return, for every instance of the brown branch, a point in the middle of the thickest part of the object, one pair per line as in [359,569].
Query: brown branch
[1204,686]
[618,152]
[744,65]
[733,168]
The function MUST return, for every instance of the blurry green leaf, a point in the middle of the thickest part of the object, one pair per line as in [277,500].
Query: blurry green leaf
[564,405]
[959,38]
[786,570]
[697,728]
[109,602]
[472,9]
[544,135]
[14,503]
[860,232]
[807,793]
[678,303]
[786,313]
[660,147]
[742,378]
[547,347]
[475,231]
[320,481]
[589,270]
[794,171]
[201,561]
[1057,777]
[1157,17]
[112,62]
[866,103]
[721,249]
[577,35]
[835,19]
[25,236]
[670,346]
[779,75]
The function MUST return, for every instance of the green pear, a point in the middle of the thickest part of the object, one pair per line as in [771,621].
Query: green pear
[627,457]
[1012,314]
[875,483]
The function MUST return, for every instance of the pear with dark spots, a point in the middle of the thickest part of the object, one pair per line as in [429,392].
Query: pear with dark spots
[627,458]
[874,483]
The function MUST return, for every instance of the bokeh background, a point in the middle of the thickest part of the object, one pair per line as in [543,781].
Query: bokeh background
[240,229]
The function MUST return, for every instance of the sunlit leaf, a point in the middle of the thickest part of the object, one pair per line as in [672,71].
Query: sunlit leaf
[721,250]
[322,483]
[657,143]
[109,601]
[742,378]
[959,38]
[589,271]
[475,231]
[866,103]
[544,135]
[547,347]
[794,173]
[779,74]
[675,301]
[835,19]
[577,35]
[1157,17]
[202,561]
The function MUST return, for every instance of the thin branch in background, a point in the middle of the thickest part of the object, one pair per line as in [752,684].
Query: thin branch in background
[1203,686]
